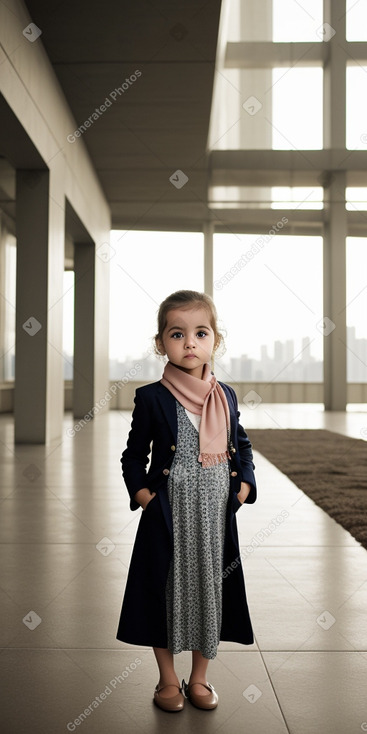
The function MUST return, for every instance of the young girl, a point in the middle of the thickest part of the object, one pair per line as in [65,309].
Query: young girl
[185,588]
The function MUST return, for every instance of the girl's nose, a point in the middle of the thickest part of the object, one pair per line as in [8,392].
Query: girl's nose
[189,342]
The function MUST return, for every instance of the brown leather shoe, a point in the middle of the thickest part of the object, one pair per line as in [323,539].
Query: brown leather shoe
[210,701]
[173,703]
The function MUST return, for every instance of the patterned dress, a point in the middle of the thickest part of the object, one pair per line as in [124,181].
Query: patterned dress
[198,499]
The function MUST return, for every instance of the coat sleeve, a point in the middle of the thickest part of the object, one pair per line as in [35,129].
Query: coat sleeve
[135,458]
[245,453]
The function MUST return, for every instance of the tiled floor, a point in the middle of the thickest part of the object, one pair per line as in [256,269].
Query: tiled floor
[306,583]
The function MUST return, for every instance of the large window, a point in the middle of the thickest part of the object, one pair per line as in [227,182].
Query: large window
[145,269]
[7,307]
[356,20]
[356,107]
[68,324]
[297,109]
[297,197]
[268,292]
[297,21]
[356,198]
[267,107]
[356,309]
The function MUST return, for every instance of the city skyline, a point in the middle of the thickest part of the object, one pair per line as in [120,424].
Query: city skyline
[283,366]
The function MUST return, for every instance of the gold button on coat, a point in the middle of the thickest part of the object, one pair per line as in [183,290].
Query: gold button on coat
[166,471]
[173,448]
[233,473]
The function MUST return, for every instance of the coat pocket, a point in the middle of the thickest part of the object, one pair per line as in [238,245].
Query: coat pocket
[150,502]
[236,504]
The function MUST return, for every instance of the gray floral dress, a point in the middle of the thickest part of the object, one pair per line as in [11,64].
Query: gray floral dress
[198,499]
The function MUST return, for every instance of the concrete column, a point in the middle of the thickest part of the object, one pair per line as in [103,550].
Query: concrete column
[335,74]
[208,230]
[32,213]
[84,329]
[38,402]
[335,341]
[255,132]
[334,324]
[255,21]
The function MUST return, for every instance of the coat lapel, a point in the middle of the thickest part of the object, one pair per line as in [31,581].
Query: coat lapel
[168,406]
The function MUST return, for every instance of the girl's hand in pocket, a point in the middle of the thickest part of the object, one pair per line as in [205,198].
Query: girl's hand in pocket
[144,496]
[244,492]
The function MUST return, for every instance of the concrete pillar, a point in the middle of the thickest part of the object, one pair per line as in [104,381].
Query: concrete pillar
[334,323]
[39,387]
[32,215]
[255,132]
[335,336]
[208,230]
[255,21]
[335,74]
[84,329]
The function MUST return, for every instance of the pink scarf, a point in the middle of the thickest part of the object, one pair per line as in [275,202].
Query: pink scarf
[204,397]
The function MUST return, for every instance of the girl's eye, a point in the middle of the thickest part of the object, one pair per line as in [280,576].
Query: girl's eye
[177,334]
[201,334]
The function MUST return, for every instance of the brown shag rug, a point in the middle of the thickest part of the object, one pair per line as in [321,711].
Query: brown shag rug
[328,467]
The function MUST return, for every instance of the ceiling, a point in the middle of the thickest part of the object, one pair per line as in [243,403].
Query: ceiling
[159,122]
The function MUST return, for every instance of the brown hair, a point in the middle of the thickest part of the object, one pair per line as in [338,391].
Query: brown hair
[186,300]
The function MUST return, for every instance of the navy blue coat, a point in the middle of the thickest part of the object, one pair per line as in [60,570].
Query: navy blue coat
[143,618]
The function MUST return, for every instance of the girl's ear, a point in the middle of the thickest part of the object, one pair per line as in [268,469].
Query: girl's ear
[217,343]
[159,346]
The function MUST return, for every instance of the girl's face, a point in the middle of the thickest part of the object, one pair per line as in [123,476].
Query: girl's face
[188,339]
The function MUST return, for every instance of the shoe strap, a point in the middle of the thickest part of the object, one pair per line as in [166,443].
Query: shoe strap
[158,690]
[198,683]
